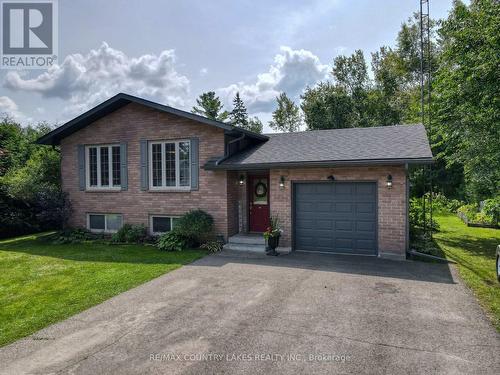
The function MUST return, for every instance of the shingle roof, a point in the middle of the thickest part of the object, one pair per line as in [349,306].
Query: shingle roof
[386,144]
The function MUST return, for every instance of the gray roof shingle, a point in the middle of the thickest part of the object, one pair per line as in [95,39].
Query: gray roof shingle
[402,143]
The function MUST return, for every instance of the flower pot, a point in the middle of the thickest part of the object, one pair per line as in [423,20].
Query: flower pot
[273,242]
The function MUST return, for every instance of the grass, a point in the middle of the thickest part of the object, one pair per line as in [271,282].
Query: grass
[42,283]
[474,251]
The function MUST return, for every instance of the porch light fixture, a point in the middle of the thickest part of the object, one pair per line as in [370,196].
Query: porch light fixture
[389,181]
[282,182]
[331,178]
[241,181]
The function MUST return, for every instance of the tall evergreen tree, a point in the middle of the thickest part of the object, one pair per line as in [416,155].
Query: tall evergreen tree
[287,117]
[210,106]
[239,114]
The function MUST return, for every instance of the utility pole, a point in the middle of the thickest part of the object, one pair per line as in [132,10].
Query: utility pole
[426,80]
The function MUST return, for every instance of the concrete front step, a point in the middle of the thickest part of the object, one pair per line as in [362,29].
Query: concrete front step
[245,247]
[250,239]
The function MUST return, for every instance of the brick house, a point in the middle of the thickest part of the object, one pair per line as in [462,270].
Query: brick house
[130,160]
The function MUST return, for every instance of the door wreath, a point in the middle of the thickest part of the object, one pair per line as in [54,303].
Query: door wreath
[260,190]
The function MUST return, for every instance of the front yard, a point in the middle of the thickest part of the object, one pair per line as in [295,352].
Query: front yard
[42,283]
[474,251]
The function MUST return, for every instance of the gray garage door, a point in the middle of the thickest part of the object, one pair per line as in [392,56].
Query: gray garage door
[336,217]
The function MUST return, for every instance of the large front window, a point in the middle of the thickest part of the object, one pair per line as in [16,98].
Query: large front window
[103,167]
[169,165]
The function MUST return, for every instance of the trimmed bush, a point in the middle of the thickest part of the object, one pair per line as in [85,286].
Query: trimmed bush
[171,241]
[213,246]
[76,235]
[196,227]
[130,233]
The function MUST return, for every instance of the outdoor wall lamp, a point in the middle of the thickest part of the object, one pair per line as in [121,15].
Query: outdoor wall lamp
[389,181]
[331,178]
[282,182]
[241,181]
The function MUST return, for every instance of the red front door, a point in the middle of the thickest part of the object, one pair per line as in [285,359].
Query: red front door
[258,203]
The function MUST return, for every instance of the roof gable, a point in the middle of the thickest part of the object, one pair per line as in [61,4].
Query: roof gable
[120,100]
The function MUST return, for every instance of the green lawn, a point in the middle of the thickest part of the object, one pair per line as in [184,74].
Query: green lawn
[474,251]
[42,283]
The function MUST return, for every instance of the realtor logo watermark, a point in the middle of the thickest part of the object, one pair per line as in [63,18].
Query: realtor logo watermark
[29,34]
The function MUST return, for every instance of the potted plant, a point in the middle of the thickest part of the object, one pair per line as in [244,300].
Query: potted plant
[272,235]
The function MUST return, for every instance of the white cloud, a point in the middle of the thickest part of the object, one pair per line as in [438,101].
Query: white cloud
[86,80]
[203,72]
[9,107]
[291,72]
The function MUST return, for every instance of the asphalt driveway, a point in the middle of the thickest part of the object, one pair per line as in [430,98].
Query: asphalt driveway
[299,313]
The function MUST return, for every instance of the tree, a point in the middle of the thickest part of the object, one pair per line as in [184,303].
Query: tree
[351,73]
[287,117]
[210,106]
[30,193]
[255,125]
[327,107]
[239,115]
[468,100]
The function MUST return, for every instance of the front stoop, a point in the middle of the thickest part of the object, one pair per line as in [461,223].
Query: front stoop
[246,242]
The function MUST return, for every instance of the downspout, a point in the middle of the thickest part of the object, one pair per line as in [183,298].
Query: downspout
[226,154]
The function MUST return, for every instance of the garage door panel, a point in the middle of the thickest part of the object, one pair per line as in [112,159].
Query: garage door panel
[336,217]
[343,189]
[343,207]
[323,189]
[344,225]
[324,224]
[344,243]
[324,207]
[304,207]
[365,190]
[365,207]
[365,244]
[365,226]
[305,224]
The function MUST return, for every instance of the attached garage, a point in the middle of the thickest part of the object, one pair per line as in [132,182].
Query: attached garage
[335,217]
[338,191]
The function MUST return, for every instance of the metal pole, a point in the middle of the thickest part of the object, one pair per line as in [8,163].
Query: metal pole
[422,103]
[429,110]
[421,64]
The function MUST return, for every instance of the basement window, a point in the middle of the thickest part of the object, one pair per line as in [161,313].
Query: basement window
[104,223]
[159,224]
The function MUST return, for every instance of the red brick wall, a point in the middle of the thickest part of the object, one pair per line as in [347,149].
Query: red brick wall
[130,124]
[391,202]
[233,202]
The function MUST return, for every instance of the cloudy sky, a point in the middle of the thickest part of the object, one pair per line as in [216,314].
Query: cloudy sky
[171,51]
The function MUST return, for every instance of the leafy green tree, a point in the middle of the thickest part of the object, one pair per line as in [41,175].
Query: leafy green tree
[467,103]
[287,117]
[327,107]
[239,114]
[210,106]
[30,194]
[255,125]
[351,73]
